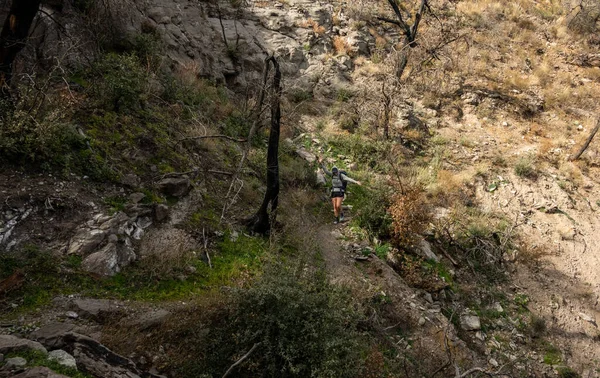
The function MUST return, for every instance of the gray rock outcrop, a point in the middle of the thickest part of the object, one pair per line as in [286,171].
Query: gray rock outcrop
[9,343]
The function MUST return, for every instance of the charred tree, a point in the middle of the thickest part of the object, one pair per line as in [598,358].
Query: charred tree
[409,32]
[261,222]
[578,154]
[14,36]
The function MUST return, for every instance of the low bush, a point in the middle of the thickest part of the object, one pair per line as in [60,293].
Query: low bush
[411,215]
[370,209]
[299,325]
[525,167]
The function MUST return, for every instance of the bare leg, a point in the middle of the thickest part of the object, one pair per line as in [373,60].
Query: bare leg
[335,209]
[338,206]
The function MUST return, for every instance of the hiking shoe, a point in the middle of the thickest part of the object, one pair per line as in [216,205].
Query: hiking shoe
[337,220]
[341,217]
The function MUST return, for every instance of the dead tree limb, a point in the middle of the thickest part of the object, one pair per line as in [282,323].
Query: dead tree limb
[587,142]
[14,35]
[257,113]
[218,136]
[409,31]
[261,222]
[244,357]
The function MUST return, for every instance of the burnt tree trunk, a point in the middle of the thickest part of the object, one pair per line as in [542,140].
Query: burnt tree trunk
[14,36]
[387,109]
[409,31]
[261,222]
[587,142]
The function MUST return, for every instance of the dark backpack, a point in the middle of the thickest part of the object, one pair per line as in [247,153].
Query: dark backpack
[344,182]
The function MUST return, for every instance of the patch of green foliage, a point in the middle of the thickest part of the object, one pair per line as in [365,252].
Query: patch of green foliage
[552,356]
[46,276]
[525,167]
[37,358]
[567,372]
[116,203]
[382,250]
[522,300]
[440,270]
[298,323]
[370,153]
[370,210]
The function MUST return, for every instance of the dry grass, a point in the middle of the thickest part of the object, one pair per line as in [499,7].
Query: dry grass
[314,25]
[341,46]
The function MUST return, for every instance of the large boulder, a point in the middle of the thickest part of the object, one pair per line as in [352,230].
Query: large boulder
[96,309]
[109,260]
[11,344]
[51,334]
[175,186]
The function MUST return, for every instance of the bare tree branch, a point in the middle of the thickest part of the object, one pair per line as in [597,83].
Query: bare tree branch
[587,142]
[218,136]
[244,357]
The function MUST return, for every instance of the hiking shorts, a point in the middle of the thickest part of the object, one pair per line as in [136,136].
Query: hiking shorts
[337,194]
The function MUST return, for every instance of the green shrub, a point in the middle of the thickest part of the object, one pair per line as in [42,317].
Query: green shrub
[370,208]
[567,372]
[302,326]
[119,81]
[300,95]
[525,167]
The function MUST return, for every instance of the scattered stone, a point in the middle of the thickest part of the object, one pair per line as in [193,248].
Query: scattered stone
[493,362]
[161,212]
[497,307]
[85,241]
[175,186]
[131,180]
[72,314]
[153,319]
[480,335]
[428,298]
[9,343]
[470,323]
[136,197]
[308,156]
[421,321]
[425,249]
[144,222]
[15,363]
[337,234]
[587,318]
[63,358]
[95,309]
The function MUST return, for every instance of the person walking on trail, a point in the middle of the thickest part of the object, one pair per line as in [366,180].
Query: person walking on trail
[339,179]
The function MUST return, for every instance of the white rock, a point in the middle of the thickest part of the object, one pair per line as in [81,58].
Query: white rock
[63,358]
[493,362]
[497,307]
[470,322]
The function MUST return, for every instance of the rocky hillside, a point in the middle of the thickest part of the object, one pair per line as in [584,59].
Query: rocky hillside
[129,168]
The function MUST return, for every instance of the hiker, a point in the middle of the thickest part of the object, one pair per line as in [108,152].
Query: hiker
[339,179]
